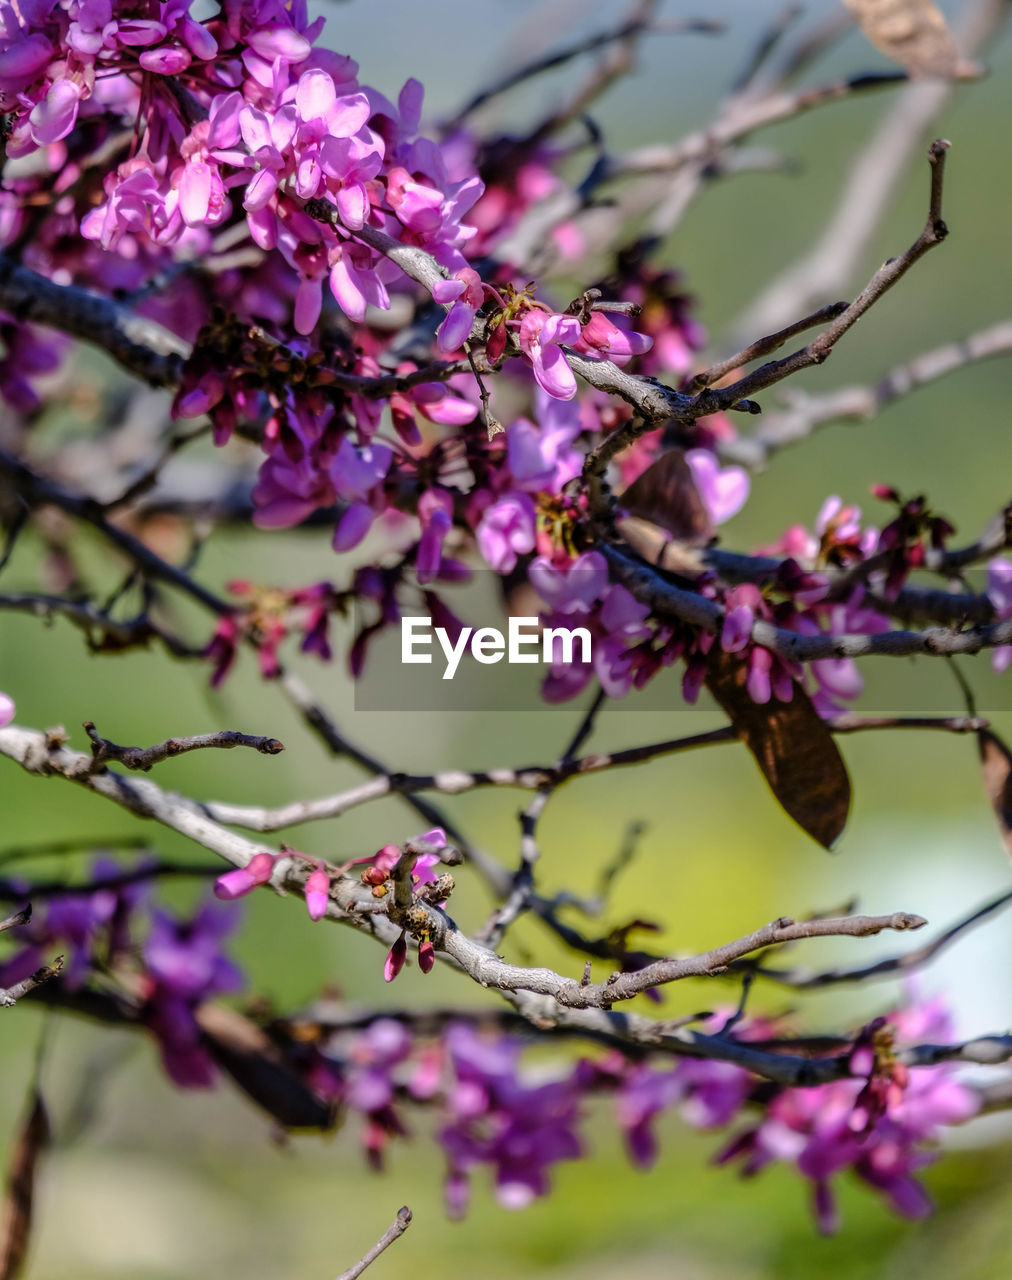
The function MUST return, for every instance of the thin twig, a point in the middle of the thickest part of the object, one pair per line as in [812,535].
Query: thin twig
[11,995]
[394,1232]
[144,758]
[802,979]
[765,346]
[821,347]
[534,777]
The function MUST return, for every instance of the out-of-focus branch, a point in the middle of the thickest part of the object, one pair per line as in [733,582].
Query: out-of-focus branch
[640,23]
[36,490]
[805,414]
[828,267]
[144,348]
[394,1232]
[103,633]
[451,782]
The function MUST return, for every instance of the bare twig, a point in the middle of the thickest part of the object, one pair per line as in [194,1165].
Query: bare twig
[16,920]
[143,758]
[522,888]
[802,979]
[11,995]
[536,777]
[821,347]
[36,490]
[394,1232]
[765,346]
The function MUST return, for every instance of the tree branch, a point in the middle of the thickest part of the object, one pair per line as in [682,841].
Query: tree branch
[394,1232]
[805,414]
[820,348]
[144,758]
[141,346]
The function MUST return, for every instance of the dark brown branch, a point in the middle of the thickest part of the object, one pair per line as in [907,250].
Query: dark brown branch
[102,632]
[144,348]
[36,490]
[144,758]
[765,346]
[667,600]
[821,347]
[394,1232]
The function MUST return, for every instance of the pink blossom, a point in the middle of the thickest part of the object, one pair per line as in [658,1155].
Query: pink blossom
[541,333]
[466,294]
[999,592]
[723,491]
[602,338]
[7,709]
[542,459]
[435,511]
[506,530]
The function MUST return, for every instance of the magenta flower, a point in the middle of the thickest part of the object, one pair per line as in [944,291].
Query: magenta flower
[466,293]
[543,459]
[317,894]
[506,530]
[7,709]
[999,592]
[723,491]
[541,333]
[573,587]
[741,605]
[435,511]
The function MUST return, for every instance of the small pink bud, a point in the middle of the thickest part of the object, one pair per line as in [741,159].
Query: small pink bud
[426,955]
[395,959]
[317,894]
[234,884]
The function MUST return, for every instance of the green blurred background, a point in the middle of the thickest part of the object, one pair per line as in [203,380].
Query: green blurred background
[162,1185]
